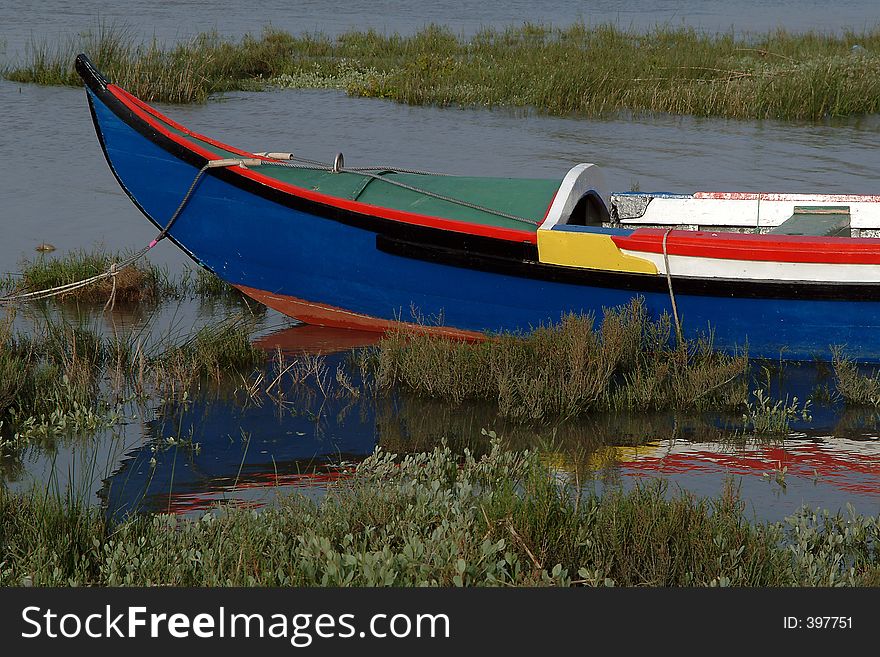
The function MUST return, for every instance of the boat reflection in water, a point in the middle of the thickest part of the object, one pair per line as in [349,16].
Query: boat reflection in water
[773,478]
[246,449]
[850,465]
[310,339]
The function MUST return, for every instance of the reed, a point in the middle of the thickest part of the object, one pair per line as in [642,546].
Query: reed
[63,378]
[216,351]
[211,286]
[593,71]
[49,378]
[138,283]
[566,370]
[597,71]
[857,387]
[217,294]
[438,519]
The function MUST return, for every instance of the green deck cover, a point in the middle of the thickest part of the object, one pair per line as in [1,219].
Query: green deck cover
[523,197]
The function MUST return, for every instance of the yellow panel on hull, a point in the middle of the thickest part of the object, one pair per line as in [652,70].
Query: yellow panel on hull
[588,251]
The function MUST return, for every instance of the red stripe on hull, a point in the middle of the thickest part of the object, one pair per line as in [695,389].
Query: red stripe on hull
[323,315]
[768,248]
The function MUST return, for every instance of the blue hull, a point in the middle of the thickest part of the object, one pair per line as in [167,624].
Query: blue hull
[253,241]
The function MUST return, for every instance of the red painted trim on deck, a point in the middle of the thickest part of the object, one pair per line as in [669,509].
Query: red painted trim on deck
[122,94]
[768,248]
[321,314]
[155,119]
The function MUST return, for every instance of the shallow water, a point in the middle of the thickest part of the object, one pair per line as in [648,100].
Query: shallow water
[58,189]
[187,455]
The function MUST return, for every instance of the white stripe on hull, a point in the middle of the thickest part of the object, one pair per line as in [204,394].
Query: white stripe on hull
[758,270]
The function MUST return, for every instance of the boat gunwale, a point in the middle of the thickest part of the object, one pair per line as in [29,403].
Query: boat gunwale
[148,121]
[468,249]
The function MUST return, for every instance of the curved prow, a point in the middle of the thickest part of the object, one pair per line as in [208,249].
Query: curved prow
[90,74]
[578,200]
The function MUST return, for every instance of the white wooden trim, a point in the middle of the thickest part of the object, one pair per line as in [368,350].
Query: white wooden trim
[578,181]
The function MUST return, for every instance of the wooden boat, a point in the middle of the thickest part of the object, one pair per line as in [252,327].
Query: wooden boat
[365,249]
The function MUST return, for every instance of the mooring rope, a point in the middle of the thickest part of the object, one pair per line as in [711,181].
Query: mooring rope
[669,284]
[115,267]
[301,163]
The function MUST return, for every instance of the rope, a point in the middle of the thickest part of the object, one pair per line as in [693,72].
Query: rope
[669,284]
[301,163]
[758,218]
[72,287]
[368,171]
[116,267]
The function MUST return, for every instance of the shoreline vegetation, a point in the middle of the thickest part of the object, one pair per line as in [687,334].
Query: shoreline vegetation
[579,70]
[437,519]
[62,376]
[493,515]
[140,283]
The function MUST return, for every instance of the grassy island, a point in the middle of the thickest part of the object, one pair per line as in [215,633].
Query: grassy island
[580,70]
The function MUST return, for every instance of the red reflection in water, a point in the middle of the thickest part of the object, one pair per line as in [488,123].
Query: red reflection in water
[852,466]
[308,339]
[226,490]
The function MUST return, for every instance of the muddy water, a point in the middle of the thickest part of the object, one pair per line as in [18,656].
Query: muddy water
[56,188]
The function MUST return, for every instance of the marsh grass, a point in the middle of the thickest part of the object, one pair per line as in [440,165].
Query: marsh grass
[139,283]
[567,370]
[855,386]
[581,70]
[63,378]
[187,72]
[136,283]
[210,286]
[597,71]
[213,290]
[215,352]
[49,381]
[768,417]
[438,519]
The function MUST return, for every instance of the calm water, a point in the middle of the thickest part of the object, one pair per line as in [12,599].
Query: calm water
[59,189]
[183,19]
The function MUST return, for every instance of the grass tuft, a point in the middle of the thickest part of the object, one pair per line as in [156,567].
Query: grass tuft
[856,387]
[136,283]
[768,418]
[51,380]
[566,370]
[583,70]
[213,351]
